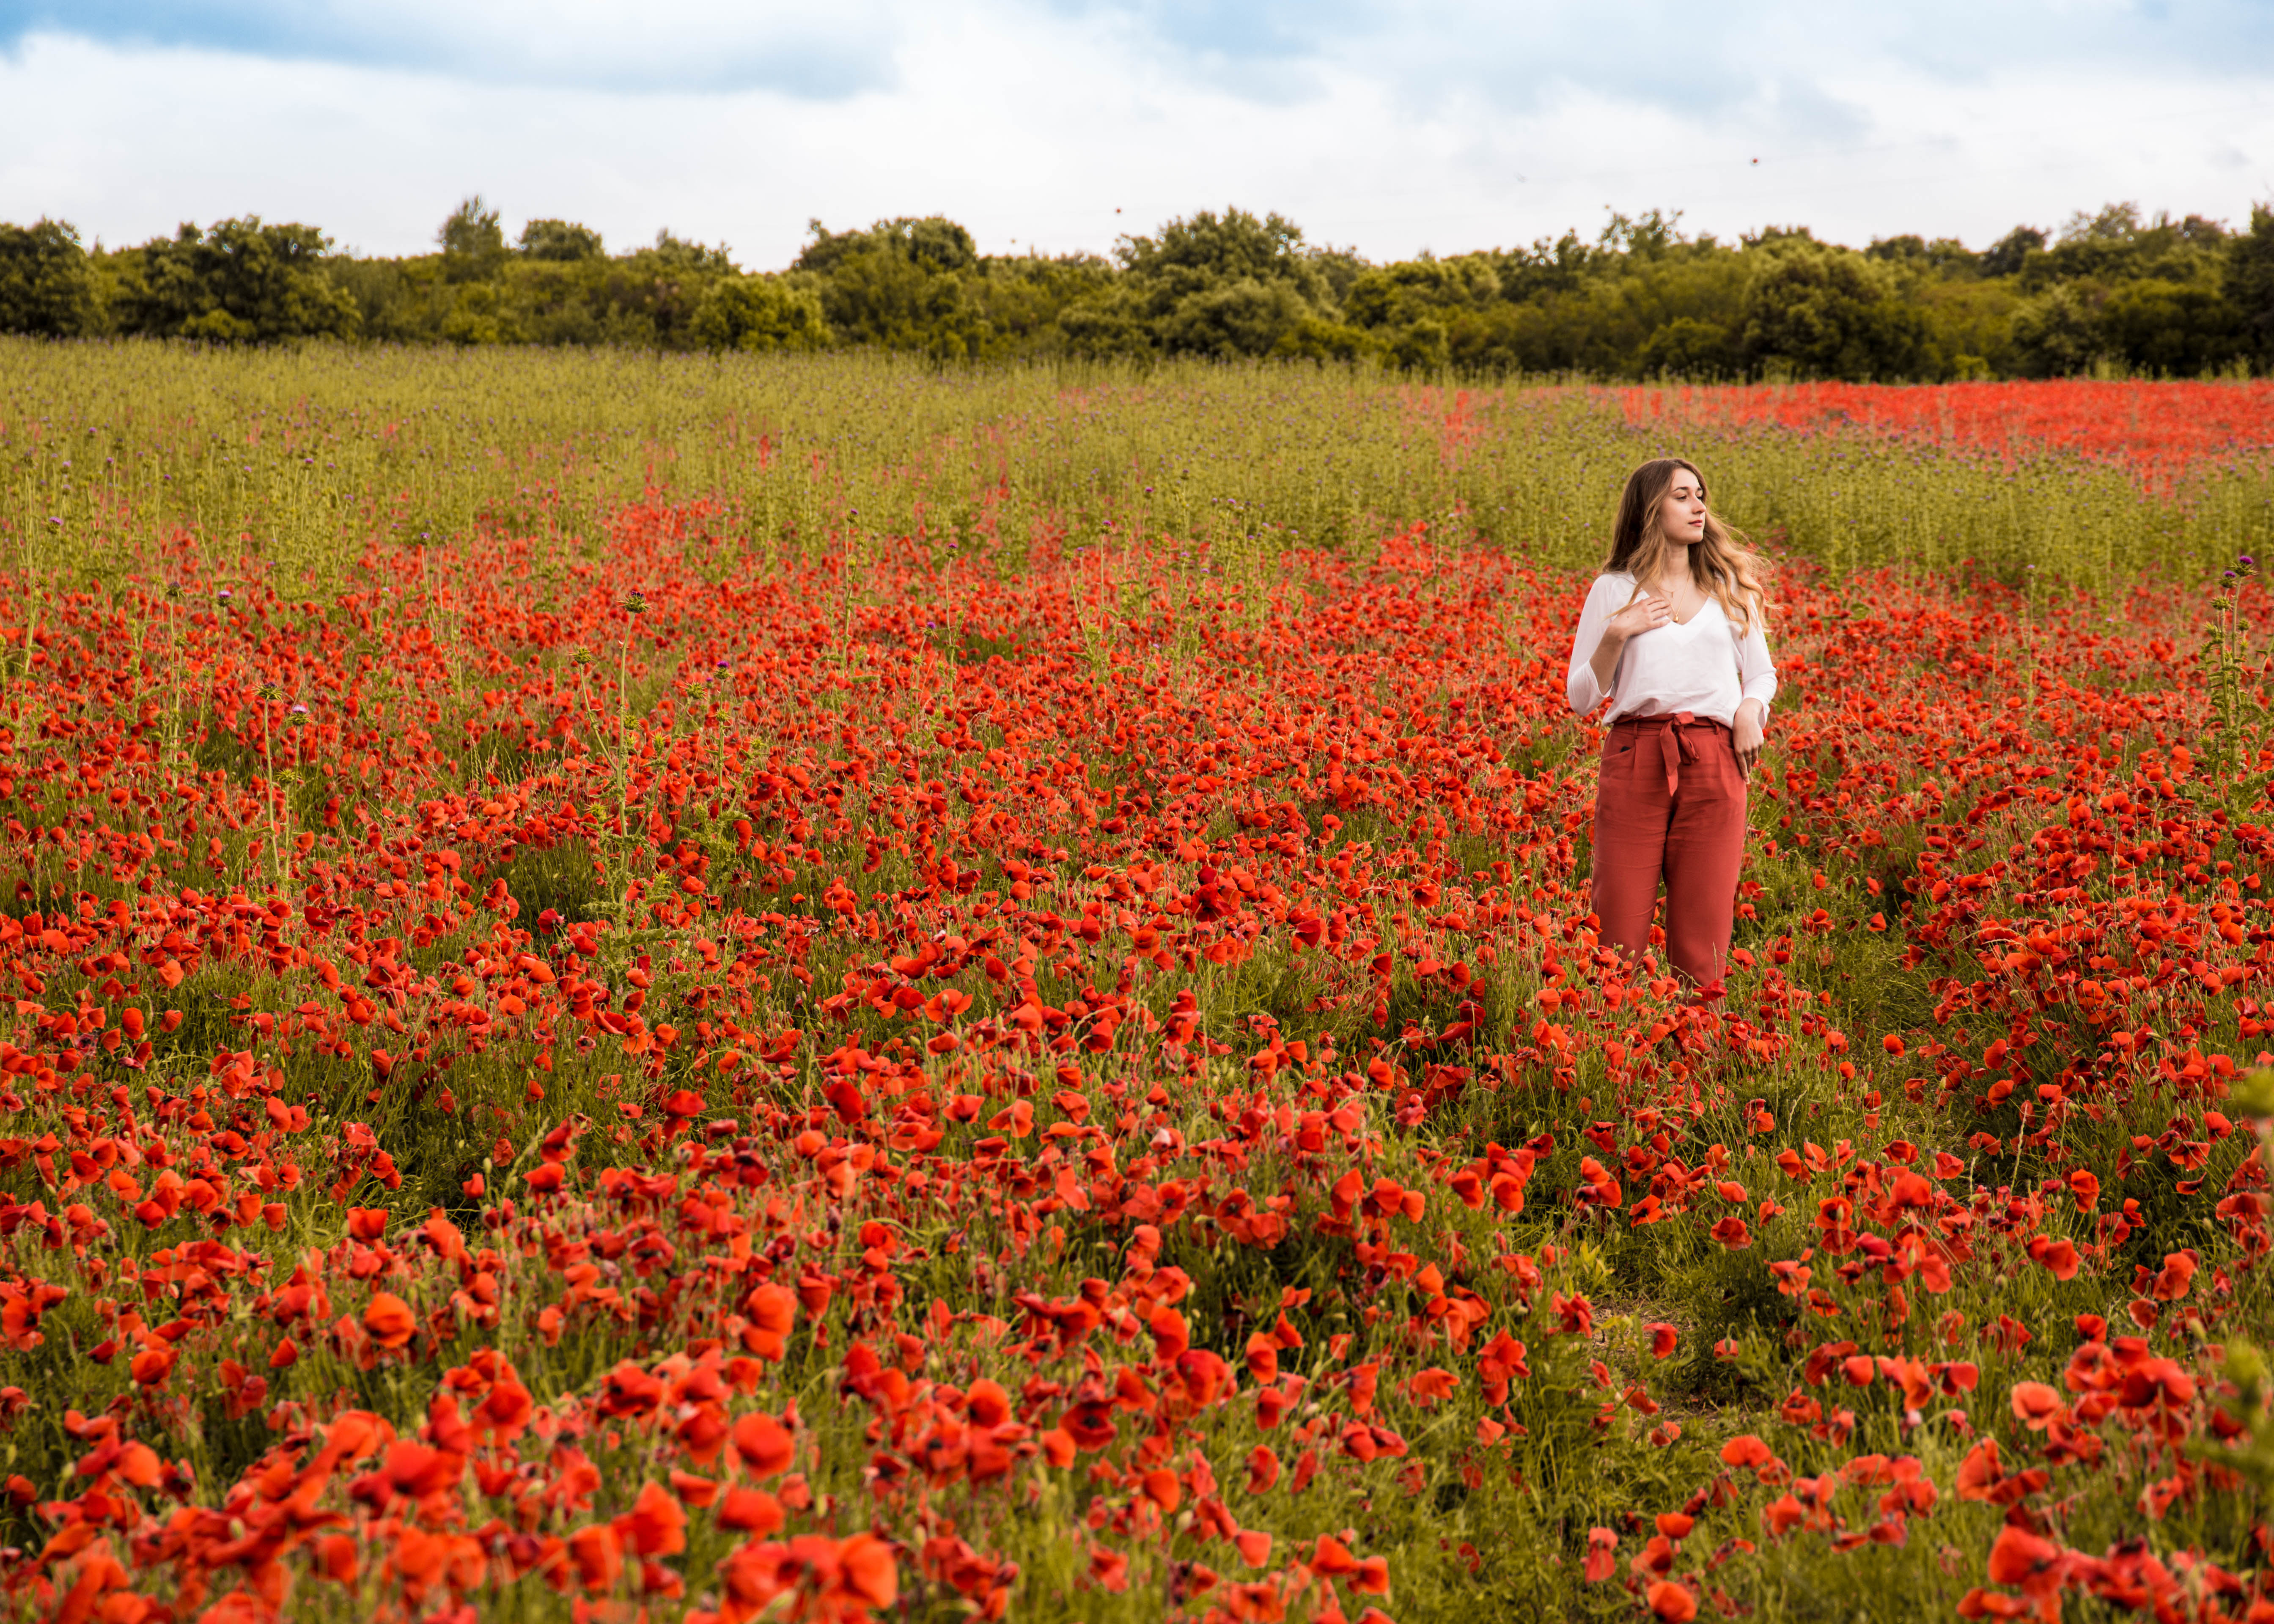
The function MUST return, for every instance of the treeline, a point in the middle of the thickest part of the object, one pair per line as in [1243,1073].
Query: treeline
[2112,289]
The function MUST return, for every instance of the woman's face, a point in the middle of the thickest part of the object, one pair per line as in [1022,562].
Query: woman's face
[1682,513]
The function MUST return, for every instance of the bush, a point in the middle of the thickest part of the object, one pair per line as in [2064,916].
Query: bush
[1207,249]
[2248,284]
[1829,312]
[2170,328]
[1244,317]
[1020,300]
[560,240]
[759,312]
[882,296]
[2055,334]
[45,286]
[473,242]
[478,316]
[1219,285]
[1316,339]
[1112,324]
[1420,347]
[1394,295]
[241,281]
[1689,347]
[1639,299]
[933,243]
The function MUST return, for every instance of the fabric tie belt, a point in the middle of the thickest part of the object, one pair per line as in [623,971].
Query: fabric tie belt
[1676,741]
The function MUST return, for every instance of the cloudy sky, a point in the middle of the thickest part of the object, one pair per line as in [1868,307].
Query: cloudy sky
[1390,125]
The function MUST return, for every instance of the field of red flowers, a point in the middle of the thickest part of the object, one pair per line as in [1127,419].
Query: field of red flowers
[2155,433]
[586,1077]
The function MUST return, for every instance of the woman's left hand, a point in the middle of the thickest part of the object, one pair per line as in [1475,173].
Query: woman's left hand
[1745,734]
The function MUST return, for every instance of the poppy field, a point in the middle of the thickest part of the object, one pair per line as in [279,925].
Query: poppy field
[812,991]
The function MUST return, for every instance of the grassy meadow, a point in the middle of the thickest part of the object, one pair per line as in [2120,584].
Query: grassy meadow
[810,988]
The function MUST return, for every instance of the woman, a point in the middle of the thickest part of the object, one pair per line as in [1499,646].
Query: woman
[1672,635]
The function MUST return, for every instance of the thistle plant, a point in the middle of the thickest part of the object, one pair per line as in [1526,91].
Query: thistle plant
[634,605]
[2232,701]
[274,801]
[170,729]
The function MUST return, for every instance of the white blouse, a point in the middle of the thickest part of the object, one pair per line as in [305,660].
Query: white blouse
[1703,667]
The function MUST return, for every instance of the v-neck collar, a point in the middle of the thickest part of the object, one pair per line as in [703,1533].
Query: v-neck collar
[1694,618]
[1710,602]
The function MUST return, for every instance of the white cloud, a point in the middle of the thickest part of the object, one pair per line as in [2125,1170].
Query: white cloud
[1392,130]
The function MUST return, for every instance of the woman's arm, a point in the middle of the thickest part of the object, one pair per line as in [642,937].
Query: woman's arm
[1602,638]
[1589,677]
[1604,665]
[1757,677]
[1756,673]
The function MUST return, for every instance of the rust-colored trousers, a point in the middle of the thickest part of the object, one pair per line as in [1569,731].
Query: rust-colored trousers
[1670,803]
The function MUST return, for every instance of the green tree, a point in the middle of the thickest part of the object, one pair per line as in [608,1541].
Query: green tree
[1532,335]
[933,243]
[473,242]
[1970,324]
[1207,284]
[2118,243]
[759,312]
[391,296]
[680,255]
[2009,253]
[1562,266]
[1600,307]
[2247,279]
[2176,329]
[1315,338]
[1946,257]
[1826,311]
[563,241]
[45,285]
[2055,334]
[1650,236]
[479,313]
[1615,316]
[1232,318]
[883,296]
[902,284]
[1019,298]
[1206,251]
[1688,347]
[1419,289]
[1420,346]
[1340,267]
[239,281]
[1111,322]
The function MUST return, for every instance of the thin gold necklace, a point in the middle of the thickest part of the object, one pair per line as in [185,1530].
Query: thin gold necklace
[1683,620]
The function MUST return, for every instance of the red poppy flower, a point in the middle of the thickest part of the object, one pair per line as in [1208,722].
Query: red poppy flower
[389,1320]
[1676,1604]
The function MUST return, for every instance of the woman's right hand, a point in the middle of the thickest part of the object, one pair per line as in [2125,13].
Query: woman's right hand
[1646,613]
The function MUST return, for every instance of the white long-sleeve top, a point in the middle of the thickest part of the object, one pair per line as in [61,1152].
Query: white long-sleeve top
[1703,666]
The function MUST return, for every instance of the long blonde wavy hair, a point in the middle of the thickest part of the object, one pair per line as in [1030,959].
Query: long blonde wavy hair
[1721,563]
